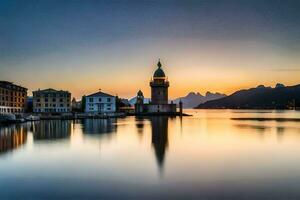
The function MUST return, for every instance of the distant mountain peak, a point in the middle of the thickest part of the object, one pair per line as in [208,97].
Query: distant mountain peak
[208,93]
[192,99]
[279,85]
[191,94]
[261,86]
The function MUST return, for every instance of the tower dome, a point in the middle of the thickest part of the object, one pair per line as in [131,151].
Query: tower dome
[159,73]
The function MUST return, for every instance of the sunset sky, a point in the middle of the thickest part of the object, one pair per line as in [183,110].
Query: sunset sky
[204,45]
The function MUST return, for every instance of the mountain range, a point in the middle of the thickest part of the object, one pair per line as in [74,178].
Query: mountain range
[261,97]
[191,100]
[194,99]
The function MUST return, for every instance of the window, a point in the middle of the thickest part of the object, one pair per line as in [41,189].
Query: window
[91,100]
[61,105]
[46,105]
[100,99]
[108,99]
[46,99]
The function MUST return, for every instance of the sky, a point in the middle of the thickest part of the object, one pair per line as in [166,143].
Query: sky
[204,45]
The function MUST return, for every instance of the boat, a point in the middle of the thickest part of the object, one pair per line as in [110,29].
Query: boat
[32,118]
[7,118]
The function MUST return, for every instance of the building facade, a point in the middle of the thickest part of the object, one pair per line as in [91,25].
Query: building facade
[12,98]
[159,96]
[51,101]
[100,102]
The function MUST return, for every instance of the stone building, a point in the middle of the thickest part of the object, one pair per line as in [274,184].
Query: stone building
[12,98]
[100,102]
[51,101]
[159,96]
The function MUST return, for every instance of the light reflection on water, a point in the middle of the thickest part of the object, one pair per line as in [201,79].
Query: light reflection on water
[208,155]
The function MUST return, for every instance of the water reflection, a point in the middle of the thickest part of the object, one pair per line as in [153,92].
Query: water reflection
[159,127]
[12,137]
[140,125]
[50,130]
[99,126]
[223,158]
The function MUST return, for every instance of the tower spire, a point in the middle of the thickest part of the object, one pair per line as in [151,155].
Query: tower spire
[159,64]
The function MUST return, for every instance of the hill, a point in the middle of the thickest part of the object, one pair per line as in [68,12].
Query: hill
[261,97]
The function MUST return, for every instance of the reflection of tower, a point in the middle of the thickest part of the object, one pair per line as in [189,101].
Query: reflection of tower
[159,137]
[159,87]
[139,123]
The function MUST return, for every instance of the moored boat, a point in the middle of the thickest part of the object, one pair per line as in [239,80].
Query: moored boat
[32,118]
[7,118]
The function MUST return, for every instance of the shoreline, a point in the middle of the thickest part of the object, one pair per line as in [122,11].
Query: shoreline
[78,116]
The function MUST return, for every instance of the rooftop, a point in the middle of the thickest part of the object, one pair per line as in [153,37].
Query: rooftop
[100,94]
[49,90]
[11,85]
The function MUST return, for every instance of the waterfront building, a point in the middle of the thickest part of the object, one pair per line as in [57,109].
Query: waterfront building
[51,101]
[12,98]
[159,96]
[100,102]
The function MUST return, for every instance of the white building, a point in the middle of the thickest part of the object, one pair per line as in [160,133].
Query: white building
[100,102]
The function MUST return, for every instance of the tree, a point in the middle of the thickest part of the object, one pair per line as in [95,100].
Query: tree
[83,100]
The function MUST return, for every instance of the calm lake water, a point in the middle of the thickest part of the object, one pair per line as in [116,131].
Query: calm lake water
[212,155]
